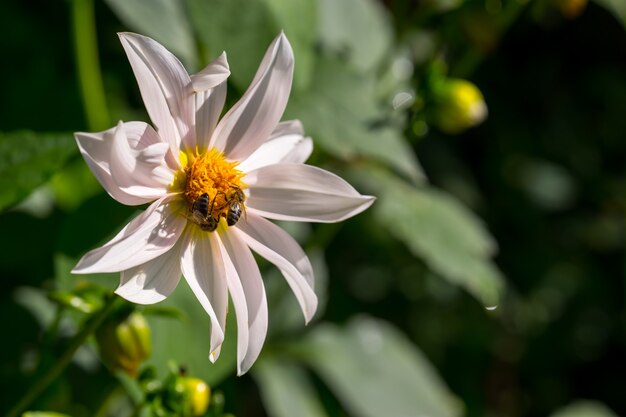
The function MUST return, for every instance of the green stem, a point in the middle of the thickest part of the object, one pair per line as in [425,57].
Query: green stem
[88,65]
[42,383]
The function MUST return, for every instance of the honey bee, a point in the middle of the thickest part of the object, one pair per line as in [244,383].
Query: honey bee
[235,206]
[203,215]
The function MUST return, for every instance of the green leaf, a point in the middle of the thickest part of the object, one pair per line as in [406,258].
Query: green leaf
[298,18]
[338,112]
[375,371]
[616,7]
[164,20]
[440,230]
[29,159]
[242,28]
[286,389]
[74,184]
[187,340]
[584,409]
[360,29]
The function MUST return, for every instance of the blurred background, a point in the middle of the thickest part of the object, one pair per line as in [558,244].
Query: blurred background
[486,280]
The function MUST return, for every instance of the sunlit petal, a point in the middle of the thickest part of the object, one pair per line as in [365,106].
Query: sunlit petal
[287,144]
[253,118]
[275,245]
[210,87]
[301,192]
[146,237]
[165,87]
[255,324]
[204,271]
[152,281]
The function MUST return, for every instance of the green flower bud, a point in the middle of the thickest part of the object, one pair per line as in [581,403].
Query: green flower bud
[187,396]
[124,342]
[459,105]
[196,395]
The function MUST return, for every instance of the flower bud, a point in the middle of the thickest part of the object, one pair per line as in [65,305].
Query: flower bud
[194,395]
[459,105]
[124,342]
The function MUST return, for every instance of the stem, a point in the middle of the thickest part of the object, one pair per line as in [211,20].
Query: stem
[42,383]
[88,65]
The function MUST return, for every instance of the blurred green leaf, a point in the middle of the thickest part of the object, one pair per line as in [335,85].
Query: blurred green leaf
[43,414]
[74,184]
[439,229]
[29,159]
[298,18]
[164,20]
[337,112]
[187,340]
[244,29]
[358,29]
[375,371]
[286,389]
[616,7]
[584,409]
[36,302]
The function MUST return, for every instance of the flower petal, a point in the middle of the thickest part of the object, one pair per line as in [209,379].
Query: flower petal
[96,149]
[255,326]
[144,169]
[204,271]
[210,87]
[287,144]
[165,88]
[152,281]
[214,74]
[301,192]
[253,118]
[275,245]
[146,237]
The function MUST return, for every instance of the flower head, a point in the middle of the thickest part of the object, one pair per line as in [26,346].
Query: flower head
[212,184]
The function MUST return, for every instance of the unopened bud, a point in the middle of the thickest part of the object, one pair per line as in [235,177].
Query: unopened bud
[459,106]
[193,395]
[125,342]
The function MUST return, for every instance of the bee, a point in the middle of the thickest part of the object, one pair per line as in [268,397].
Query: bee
[235,206]
[202,215]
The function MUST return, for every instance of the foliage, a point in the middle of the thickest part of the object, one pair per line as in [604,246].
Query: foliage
[406,324]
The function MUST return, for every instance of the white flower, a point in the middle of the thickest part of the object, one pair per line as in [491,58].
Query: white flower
[196,172]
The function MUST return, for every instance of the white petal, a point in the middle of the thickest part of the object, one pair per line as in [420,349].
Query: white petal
[253,118]
[165,88]
[275,245]
[143,141]
[146,237]
[203,269]
[153,281]
[239,302]
[144,169]
[212,75]
[286,145]
[256,303]
[101,171]
[301,192]
[210,87]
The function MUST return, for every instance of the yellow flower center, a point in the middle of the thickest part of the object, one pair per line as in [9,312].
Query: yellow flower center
[211,174]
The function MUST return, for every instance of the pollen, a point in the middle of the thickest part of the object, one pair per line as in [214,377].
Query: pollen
[211,173]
